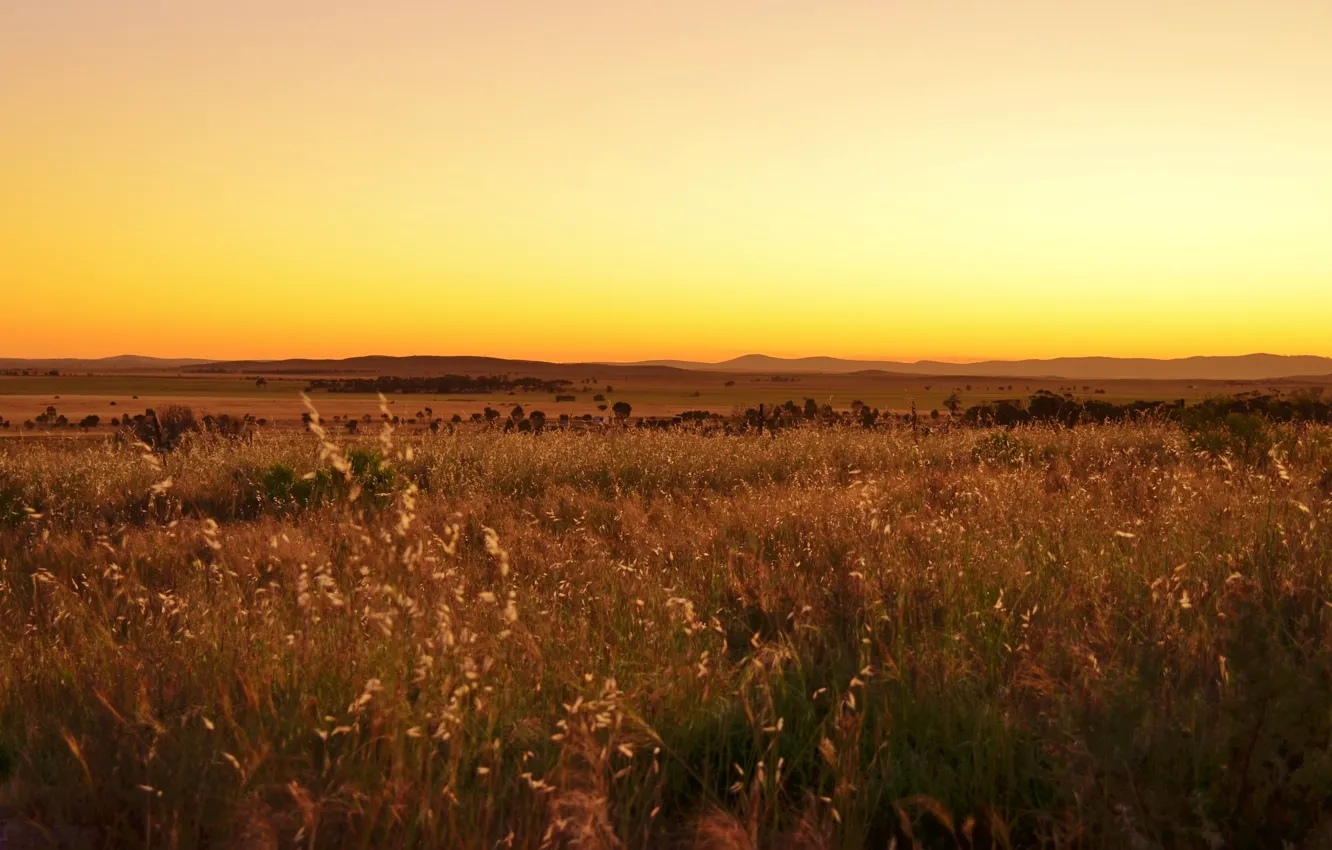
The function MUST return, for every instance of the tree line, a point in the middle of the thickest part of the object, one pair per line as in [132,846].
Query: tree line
[440,385]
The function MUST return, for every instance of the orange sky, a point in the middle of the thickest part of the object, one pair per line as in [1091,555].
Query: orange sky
[606,179]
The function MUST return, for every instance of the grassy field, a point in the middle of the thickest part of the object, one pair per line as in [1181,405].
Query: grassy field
[107,396]
[823,638]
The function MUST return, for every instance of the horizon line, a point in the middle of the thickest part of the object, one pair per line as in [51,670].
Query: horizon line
[668,359]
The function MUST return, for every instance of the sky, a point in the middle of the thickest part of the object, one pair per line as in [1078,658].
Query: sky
[620,180]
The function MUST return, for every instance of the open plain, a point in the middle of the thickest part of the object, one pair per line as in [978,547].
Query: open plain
[824,636]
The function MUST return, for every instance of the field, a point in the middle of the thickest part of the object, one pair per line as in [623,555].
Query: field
[827,637]
[650,391]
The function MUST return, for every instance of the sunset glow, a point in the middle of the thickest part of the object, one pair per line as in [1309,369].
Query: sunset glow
[612,180]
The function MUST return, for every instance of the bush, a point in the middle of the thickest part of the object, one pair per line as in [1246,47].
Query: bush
[11,505]
[281,486]
[1245,437]
[372,473]
[1000,448]
[166,430]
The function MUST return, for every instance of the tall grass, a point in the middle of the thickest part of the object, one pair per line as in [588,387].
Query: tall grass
[1090,637]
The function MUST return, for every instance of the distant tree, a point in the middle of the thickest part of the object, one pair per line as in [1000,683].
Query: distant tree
[953,402]
[610,389]
[598,397]
[621,409]
[491,415]
[517,413]
[50,410]
[524,425]
[261,382]
[601,407]
[351,426]
[729,384]
[457,418]
[811,409]
[476,417]
[538,420]
[429,412]
[856,406]
[934,414]
[90,421]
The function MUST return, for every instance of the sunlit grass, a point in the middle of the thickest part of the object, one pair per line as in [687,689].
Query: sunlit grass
[828,637]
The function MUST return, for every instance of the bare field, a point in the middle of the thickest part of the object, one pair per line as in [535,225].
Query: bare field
[107,396]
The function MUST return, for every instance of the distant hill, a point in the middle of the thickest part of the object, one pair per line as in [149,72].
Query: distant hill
[1248,367]
[119,363]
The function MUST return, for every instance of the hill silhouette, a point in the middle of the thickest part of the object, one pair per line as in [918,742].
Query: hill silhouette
[1248,367]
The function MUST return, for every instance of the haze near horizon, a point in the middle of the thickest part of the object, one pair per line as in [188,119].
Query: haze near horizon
[602,181]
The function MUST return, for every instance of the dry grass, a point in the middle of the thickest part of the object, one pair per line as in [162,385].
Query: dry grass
[824,638]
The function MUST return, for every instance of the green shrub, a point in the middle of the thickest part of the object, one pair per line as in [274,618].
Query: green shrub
[1245,437]
[1002,448]
[373,474]
[11,505]
[283,487]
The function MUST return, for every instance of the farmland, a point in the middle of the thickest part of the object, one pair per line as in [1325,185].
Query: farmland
[1100,636]
[649,391]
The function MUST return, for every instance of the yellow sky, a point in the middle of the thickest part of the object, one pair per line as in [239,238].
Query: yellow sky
[612,179]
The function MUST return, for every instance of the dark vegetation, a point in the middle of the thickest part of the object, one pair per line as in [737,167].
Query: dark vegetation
[440,385]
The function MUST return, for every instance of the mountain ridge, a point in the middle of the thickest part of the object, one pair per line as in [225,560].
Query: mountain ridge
[118,362]
[1246,367]
[1258,366]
